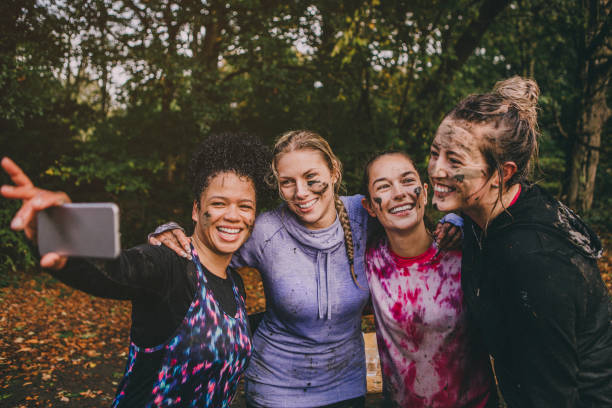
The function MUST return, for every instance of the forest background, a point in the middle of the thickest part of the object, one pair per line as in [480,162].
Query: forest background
[106,99]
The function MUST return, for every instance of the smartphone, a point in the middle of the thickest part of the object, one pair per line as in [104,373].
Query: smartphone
[80,229]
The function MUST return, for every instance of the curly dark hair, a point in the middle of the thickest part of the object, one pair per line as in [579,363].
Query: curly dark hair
[236,152]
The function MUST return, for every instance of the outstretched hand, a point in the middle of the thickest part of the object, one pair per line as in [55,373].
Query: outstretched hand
[33,199]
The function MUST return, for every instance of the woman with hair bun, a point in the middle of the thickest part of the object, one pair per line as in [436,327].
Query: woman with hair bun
[529,270]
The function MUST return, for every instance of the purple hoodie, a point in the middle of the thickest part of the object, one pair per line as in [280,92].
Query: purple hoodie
[308,349]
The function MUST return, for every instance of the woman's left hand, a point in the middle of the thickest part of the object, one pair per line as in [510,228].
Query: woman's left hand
[34,199]
[448,236]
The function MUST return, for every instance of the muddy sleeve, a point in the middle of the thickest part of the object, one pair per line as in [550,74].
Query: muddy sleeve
[138,271]
[542,302]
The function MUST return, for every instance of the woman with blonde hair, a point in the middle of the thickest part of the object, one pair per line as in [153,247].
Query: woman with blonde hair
[529,270]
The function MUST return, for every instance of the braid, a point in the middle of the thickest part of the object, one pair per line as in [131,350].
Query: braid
[348,235]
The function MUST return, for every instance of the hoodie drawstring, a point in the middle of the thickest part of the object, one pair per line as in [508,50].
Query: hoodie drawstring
[320,280]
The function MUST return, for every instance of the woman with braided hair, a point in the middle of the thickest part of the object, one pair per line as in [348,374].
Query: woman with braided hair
[529,269]
[308,349]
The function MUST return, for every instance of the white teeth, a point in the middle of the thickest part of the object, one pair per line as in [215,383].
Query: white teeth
[229,230]
[442,189]
[402,208]
[307,205]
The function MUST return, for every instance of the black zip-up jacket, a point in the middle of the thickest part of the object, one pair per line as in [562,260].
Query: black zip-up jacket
[534,291]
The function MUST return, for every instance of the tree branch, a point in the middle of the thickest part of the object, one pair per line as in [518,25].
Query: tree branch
[600,38]
[463,48]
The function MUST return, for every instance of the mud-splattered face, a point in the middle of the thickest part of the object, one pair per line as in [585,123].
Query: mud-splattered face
[457,169]
[224,219]
[397,197]
[307,184]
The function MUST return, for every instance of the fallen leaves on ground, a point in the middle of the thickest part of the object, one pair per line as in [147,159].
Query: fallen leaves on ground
[54,338]
[255,301]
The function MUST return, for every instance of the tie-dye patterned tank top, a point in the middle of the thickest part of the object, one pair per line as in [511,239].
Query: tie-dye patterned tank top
[204,360]
[427,356]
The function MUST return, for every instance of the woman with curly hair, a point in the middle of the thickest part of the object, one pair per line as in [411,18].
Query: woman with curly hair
[190,338]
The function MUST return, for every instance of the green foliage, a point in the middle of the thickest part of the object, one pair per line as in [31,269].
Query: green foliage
[16,254]
[107,99]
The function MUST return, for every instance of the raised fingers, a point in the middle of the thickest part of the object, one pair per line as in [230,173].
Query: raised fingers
[20,193]
[453,238]
[15,173]
[440,232]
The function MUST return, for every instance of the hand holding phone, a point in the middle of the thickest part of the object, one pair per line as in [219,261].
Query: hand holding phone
[80,229]
[34,200]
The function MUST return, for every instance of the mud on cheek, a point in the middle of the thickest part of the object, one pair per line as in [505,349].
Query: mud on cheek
[318,187]
[417,193]
[378,201]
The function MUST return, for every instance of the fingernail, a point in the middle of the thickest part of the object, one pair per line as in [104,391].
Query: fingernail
[157,243]
[189,257]
[16,223]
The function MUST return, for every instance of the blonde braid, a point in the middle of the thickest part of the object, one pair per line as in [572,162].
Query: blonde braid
[348,236]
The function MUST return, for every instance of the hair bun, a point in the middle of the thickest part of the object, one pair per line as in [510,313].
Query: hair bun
[521,93]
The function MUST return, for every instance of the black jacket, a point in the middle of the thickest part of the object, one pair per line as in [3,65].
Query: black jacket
[534,291]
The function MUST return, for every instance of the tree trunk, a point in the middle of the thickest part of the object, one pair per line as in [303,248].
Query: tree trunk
[595,117]
[594,111]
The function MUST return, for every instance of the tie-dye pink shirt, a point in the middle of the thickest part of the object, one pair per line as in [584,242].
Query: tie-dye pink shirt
[426,357]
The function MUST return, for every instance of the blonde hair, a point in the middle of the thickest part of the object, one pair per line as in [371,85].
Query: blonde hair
[306,139]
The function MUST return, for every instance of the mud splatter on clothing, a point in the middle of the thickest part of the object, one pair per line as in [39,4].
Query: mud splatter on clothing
[308,349]
[533,290]
[427,359]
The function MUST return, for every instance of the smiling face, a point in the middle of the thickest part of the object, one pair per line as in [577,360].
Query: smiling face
[397,197]
[307,184]
[457,168]
[226,213]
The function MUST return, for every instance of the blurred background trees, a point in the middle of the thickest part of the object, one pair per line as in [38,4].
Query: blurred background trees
[107,98]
